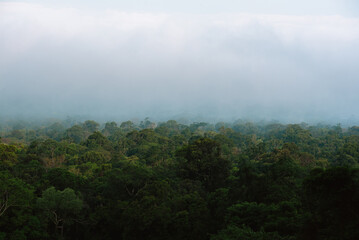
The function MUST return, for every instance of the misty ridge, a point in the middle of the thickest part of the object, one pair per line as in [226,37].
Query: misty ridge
[15,130]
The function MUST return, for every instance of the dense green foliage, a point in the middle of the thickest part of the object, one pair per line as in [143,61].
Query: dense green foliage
[226,181]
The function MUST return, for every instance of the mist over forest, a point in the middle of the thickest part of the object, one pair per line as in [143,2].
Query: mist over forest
[181,120]
[106,64]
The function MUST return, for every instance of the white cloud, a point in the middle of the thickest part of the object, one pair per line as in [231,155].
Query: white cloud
[33,23]
[178,59]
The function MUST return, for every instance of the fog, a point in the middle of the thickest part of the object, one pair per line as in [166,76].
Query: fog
[110,64]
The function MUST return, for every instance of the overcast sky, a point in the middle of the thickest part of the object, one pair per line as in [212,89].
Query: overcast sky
[219,60]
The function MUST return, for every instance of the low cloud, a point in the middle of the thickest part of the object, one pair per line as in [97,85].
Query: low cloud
[113,64]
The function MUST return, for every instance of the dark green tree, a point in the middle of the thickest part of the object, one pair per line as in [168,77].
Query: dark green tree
[332,198]
[13,193]
[203,161]
[60,207]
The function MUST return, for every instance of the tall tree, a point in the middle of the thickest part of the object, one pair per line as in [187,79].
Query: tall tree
[61,207]
[13,193]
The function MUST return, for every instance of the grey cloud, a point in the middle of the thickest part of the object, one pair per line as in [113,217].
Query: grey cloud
[110,64]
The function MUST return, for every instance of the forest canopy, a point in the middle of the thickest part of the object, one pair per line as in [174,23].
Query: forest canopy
[169,180]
